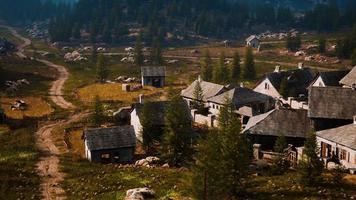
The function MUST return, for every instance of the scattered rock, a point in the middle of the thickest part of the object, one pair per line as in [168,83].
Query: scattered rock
[139,194]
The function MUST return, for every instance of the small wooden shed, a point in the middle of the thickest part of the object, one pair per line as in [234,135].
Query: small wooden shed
[110,145]
[153,76]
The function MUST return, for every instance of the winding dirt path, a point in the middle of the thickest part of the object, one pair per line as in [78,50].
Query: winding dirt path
[48,166]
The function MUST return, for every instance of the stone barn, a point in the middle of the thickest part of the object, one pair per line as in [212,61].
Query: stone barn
[110,145]
[153,76]
[253,41]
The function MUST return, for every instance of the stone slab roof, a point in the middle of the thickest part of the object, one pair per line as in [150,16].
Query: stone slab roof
[209,90]
[332,103]
[287,122]
[344,135]
[240,97]
[350,78]
[110,138]
[252,37]
[333,78]
[153,71]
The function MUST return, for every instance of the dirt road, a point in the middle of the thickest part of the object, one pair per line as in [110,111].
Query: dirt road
[56,93]
[48,166]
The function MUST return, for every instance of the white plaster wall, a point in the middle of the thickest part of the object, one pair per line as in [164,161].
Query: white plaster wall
[135,122]
[270,91]
[87,152]
[345,163]
[318,83]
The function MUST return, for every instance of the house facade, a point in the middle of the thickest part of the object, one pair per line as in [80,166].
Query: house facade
[339,145]
[110,145]
[153,76]
[296,81]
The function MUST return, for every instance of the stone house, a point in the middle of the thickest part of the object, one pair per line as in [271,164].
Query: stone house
[253,41]
[153,76]
[339,145]
[110,145]
[297,81]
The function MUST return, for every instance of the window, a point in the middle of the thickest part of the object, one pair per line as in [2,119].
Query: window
[105,156]
[266,86]
[343,155]
[213,106]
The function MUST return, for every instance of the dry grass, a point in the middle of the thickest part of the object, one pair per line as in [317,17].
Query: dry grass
[37,107]
[76,143]
[214,51]
[113,92]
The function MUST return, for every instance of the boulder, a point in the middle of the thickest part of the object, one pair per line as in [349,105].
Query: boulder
[139,194]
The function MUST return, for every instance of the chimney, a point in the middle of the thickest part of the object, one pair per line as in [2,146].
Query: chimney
[199,78]
[300,65]
[242,84]
[277,69]
[141,98]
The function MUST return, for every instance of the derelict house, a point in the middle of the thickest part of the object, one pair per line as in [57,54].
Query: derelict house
[153,76]
[110,145]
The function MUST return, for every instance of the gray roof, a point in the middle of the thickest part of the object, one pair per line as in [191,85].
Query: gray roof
[153,71]
[344,135]
[209,90]
[332,78]
[252,37]
[240,97]
[159,108]
[110,138]
[287,122]
[298,79]
[332,103]
[350,78]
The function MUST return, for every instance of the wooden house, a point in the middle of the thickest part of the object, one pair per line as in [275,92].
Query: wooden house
[330,78]
[253,41]
[339,145]
[349,80]
[153,76]
[265,128]
[110,145]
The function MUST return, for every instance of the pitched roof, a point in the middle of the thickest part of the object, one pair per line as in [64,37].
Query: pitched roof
[209,90]
[159,109]
[298,79]
[153,71]
[332,78]
[240,96]
[110,138]
[287,122]
[344,135]
[252,37]
[332,103]
[350,78]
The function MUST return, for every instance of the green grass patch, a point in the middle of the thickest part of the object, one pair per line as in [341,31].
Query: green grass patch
[18,156]
[96,181]
[5,33]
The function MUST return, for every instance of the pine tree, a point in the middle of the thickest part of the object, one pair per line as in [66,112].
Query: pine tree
[311,167]
[207,67]
[102,71]
[98,116]
[149,131]
[222,159]
[217,74]
[249,72]
[280,164]
[224,71]
[353,58]
[94,54]
[177,142]
[139,57]
[156,53]
[322,44]
[198,102]
[284,89]
[236,68]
